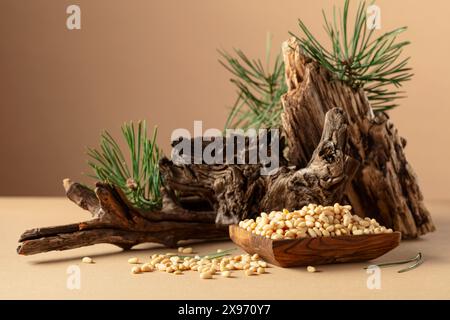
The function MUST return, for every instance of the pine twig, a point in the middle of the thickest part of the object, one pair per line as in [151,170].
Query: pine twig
[139,177]
[259,90]
[359,59]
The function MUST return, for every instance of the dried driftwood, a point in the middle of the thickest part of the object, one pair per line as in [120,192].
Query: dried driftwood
[116,222]
[338,149]
[232,192]
[385,186]
[240,191]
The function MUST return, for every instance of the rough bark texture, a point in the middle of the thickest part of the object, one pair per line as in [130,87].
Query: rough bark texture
[116,222]
[236,192]
[385,186]
[231,192]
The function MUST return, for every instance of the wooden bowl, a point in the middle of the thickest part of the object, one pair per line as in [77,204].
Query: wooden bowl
[315,251]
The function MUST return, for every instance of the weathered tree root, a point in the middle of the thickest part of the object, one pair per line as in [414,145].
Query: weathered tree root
[116,222]
[236,192]
[233,192]
[385,186]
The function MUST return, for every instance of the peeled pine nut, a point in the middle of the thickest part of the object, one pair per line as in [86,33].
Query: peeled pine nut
[136,270]
[226,274]
[147,267]
[312,221]
[133,260]
[187,250]
[207,267]
[87,260]
[205,275]
[248,272]
[311,269]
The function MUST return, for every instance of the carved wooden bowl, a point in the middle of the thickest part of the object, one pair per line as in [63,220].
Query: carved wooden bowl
[315,251]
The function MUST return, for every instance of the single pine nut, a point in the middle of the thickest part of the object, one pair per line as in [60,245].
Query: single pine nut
[136,270]
[133,260]
[87,260]
[178,272]
[311,269]
[261,270]
[180,249]
[205,275]
[248,272]
[226,274]
[147,268]
[262,264]
[187,250]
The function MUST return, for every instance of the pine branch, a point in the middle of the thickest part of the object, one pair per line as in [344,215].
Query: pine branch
[259,90]
[359,59]
[139,178]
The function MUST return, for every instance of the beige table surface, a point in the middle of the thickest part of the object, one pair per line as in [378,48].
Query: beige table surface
[44,276]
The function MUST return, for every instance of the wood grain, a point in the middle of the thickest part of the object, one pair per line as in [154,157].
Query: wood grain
[117,222]
[237,192]
[315,251]
[385,186]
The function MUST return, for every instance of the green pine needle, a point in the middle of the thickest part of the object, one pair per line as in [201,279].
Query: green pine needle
[139,178]
[355,56]
[259,90]
[359,59]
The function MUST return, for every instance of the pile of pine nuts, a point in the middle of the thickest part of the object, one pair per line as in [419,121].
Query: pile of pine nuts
[312,221]
[206,267]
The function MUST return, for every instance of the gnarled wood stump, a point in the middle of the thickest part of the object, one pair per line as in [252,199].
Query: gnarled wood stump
[385,186]
[236,192]
[232,192]
[116,222]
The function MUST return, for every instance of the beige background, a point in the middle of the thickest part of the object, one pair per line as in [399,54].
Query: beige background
[157,60]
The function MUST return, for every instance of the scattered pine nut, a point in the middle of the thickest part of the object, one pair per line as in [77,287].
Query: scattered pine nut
[226,274]
[147,267]
[261,270]
[180,249]
[133,260]
[206,266]
[205,275]
[136,270]
[87,260]
[187,250]
[219,250]
[249,272]
[311,269]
